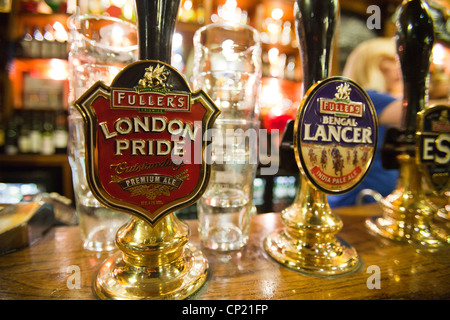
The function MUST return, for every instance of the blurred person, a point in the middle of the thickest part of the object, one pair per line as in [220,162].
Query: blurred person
[439,86]
[373,64]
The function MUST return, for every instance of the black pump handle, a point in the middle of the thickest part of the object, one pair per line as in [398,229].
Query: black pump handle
[156,25]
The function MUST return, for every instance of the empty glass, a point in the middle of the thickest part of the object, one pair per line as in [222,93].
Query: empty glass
[99,48]
[227,66]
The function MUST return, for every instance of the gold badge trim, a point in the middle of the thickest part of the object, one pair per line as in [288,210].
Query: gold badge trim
[99,89]
[342,92]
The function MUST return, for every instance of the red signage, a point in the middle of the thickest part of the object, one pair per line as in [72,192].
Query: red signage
[343,109]
[151,100]
[145,144]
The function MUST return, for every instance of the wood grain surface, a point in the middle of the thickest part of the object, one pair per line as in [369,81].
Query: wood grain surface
[45,270]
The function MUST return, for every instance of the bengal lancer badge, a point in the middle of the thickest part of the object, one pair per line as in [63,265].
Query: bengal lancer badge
[145,140]
[335,135]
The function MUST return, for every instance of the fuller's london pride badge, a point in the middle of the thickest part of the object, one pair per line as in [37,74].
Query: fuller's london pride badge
[145,140]
[335,135]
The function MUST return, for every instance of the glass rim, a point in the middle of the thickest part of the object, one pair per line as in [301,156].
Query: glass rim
[77,18]
[81,17]
[230,26]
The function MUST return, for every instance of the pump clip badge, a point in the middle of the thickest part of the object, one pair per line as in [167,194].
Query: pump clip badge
[335,135]
[433,146]
[144,140]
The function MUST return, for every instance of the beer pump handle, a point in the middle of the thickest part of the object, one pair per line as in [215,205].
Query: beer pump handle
[156,25]
[315,23]
[415,37]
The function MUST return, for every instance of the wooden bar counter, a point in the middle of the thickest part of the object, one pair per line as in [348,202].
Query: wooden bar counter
[46,269]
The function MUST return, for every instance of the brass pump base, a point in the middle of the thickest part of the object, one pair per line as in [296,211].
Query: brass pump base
[154,263]
[332,258]
[444,212]
[407,224]
[308,243]
[407,213]
[416,234]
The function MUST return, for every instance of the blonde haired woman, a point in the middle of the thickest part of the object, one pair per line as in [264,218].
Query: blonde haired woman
[373,65]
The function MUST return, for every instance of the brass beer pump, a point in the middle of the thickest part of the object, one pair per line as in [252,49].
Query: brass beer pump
[407,212]
[156,260]
[308,243]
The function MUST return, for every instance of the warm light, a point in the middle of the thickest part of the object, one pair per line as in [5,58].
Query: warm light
[117,35]
[227,45]
[271,94]
[117,32]
[177,58]
[214,18]
[438,54]
[177,41]
[57,70]
[274,28]
[230,12]
[48,36]
[187,5]
[105,3]
[273,55]
[38,35]
[231,3]
[60,32]
[118,3]
[277,14]
[290,66]
[128,11]
[71,6]
[227,49]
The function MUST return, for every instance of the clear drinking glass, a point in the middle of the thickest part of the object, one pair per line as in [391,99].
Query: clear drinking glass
[99,48]
[227,66]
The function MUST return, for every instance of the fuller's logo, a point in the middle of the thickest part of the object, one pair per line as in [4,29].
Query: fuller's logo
[151,94]
[150,101]
[335,135]
[144,140]
[341,105]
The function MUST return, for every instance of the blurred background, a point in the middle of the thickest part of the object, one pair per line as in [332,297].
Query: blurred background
[34,71]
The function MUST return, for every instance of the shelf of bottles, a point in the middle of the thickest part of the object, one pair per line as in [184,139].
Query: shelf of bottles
[36,132]
[36,122]
[44,43]
[282,74]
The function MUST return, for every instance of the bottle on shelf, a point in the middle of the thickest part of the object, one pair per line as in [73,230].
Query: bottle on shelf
[29,5]
[26,42]
[61,37]
[200,14]
[48,140]
[49,46]
[36,133]
[2,134]
[12,134]
[23,140]
[36,43]
[285,37]
[47,42]
[290,72]
[61,134]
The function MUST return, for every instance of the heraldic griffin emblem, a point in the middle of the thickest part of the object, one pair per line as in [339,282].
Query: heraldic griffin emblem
[154,77]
